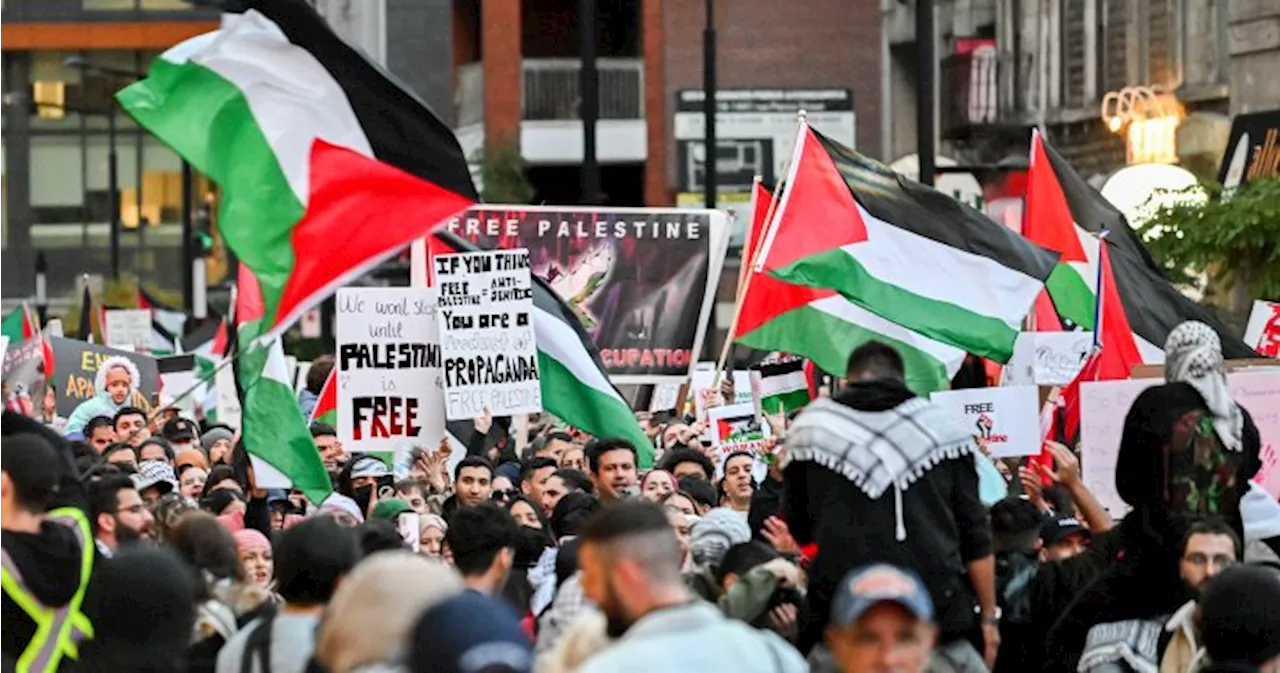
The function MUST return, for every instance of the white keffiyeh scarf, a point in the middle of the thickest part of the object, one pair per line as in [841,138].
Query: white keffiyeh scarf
[1193,355]
[877,450]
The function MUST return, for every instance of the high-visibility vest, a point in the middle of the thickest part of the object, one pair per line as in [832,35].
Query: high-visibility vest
[60,630]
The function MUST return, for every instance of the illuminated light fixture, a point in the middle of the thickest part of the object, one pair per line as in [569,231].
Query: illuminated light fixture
[1149,121]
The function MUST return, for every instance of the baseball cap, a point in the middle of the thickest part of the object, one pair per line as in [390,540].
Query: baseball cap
[1061,527]
[179,429]
[863,588]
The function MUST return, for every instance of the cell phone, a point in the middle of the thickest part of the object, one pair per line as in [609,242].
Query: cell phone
[407,525]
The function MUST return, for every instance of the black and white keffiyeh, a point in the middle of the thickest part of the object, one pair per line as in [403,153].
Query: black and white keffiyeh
[1193,355]
[877,450]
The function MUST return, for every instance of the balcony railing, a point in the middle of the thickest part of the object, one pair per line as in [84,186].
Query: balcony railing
[551,88]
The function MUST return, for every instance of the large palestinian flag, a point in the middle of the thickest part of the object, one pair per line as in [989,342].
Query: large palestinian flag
[1062,211]
[824,326]
[327,166]
[575,388]
[902,251]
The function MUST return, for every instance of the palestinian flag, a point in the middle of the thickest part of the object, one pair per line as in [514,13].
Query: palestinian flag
[327,166]
[825,327]
[902,251]
[782,385]
[167,323]
[326,409]
[273,430]
[1115,351]
[1152,305]
[22,324]
[211,352]
[575,388]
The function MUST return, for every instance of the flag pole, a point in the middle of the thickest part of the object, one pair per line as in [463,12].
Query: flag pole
[745,274]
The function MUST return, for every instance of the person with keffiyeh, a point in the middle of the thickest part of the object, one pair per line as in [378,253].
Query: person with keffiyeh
[1188,452]
[878,475]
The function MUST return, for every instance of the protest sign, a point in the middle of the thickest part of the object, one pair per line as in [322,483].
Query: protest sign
[1047,358]
[706,394]
[389,392]
[665,397]
[1263,332]
[128,329]
[1006,418]
[487,338]
[1104,405]
[227,406]
[76,367]
[734,428]
[641,281]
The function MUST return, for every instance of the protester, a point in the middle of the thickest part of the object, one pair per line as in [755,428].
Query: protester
[657,485]
[613,468]
[156,449]
[688,463]
[882,619]
[217,442]
[559,484]
[131,426]
[503,488]
[432,530]
[119,515]
[701,491]
[375,607]
[115,382]
[681,502]
[1062,537]
[534,474]
[469,632]
[312,558]
[122,456]
[559,447]
[631,569]
[482,539]
[472,482]
[1240,620]
[573,457]
[154,479]
[191,481]
[181,433]
[316,376]
[330,447]
[256,557]
[100,433]
[869,487]
[738,484]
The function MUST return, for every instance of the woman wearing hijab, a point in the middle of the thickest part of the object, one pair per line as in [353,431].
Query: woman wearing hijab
[1187,452]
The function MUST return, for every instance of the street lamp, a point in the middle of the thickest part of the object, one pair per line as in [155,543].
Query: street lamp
[191,276]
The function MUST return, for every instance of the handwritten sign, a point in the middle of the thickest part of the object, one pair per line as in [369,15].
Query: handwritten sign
[486,334]
[1006,418]
[1047,358]
[389,392]
[1104,405]
[129,328]
[1263,332]
[75,369]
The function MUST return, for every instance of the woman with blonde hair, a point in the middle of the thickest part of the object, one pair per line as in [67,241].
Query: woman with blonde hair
[390,589]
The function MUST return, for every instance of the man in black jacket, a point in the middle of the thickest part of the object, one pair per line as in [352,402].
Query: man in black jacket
[877,475]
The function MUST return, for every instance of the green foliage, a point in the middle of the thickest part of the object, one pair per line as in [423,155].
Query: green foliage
[505,175]
[1234,240]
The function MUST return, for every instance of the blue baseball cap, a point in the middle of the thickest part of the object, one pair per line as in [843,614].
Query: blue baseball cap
[863,588]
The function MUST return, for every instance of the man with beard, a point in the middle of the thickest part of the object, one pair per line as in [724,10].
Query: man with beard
[1169,642]
[630,560]
[878,475]
[100,433]
[613,468]
[118,514]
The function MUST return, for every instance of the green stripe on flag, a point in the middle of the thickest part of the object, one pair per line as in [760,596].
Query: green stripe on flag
[582,406]
[206,120]
[976,333]
[1071,295]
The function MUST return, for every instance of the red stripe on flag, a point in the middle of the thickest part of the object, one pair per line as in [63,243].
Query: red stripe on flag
[328,400]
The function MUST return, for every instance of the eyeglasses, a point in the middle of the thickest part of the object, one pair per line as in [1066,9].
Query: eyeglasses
[133,509]
[1219,560]
[505,495]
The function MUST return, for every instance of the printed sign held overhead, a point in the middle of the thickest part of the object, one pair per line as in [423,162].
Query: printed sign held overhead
[487,338]
[1007,419]
[389,391]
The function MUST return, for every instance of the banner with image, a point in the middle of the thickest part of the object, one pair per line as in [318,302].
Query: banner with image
[642,281]
[389,391]
[486,334]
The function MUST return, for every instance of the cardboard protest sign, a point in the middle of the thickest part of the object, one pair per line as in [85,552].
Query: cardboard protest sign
[76,366]
[1104,405]
[1263,331]
[389,392]
[486,334]
[128,329]
[1047,358]
[1006,418]
[641,280]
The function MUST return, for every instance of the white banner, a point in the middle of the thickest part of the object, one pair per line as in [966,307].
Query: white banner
[129,329]
[486,334]
[1047,358]
[389,393]
[1007,418]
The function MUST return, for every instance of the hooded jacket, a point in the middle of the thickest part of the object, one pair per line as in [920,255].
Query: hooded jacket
[101,404]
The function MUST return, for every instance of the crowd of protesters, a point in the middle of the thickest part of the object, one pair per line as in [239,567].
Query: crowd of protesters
[873,543]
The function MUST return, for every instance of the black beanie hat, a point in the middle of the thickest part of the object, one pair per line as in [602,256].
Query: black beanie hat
[1240,615]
